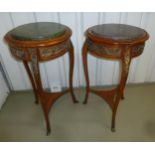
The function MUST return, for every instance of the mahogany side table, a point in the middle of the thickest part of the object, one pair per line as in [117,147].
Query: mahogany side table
[39,42]
[114,42]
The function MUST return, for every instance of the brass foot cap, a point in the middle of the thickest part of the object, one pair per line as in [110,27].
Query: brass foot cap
[48,132]
[36,102]
[122,98]
[113,129]
[84,102]
[76,101]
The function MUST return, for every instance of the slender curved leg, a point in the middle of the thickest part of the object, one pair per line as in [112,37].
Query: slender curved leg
[71,65]
[32,80]
[36,72]
[125,79]
[48,128]
[124,74]
[45,110]
[85,67]
[114,112]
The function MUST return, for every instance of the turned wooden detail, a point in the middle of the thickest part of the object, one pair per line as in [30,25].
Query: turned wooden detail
[39,47]
[114,42]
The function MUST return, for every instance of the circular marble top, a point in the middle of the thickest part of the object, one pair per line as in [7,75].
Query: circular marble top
[116,32]
[38,31]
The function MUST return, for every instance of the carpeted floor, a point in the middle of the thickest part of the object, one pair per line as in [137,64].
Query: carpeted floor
[22,120]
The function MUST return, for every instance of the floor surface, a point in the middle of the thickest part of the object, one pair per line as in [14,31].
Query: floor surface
[22,120]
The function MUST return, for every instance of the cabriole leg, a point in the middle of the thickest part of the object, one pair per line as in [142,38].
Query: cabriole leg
[36,72]
[124,75]
[85,67]
[71,69]
[31,80]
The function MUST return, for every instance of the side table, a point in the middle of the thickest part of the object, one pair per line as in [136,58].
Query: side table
[115,42]
[40,42]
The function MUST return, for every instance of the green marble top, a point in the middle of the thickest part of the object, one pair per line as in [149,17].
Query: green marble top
[116,31]
[38,31]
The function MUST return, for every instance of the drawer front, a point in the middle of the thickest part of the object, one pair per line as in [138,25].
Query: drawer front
[103,50]
[20,53]
[43,53]
[137,50]
[51,52]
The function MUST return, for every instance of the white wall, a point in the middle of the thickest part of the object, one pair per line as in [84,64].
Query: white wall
[101,72]
[3,88]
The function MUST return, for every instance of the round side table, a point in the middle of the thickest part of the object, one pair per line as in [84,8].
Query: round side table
[39,42]
[116,42]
